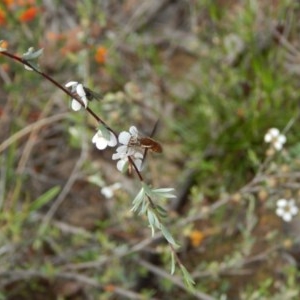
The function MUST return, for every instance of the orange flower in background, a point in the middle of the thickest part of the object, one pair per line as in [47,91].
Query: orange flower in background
[18,2]
[196,237]
[2,17]
[100,56]
[29,14]
[8,2]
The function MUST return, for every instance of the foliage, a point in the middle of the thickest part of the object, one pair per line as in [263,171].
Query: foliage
[218,81]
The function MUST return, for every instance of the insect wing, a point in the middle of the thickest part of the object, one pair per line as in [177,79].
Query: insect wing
[91,94]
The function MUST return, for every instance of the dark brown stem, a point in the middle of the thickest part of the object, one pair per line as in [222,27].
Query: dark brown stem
[58,85]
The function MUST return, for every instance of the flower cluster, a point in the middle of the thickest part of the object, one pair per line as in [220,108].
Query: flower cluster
[286,209]
[127,150]
[79,90]
[105,138]
[126,153]
[276,139]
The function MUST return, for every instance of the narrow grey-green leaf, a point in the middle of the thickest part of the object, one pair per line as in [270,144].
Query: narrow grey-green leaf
[31,54]
[187,277]
[44,199]
[161,211]
[173,264]
[167,235]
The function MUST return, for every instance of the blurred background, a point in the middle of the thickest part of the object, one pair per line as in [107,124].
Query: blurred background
[217,75]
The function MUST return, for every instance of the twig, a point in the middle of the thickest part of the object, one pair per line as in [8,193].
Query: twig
[29,128]
[161,273]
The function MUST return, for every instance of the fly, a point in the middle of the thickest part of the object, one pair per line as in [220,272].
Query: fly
[146,143]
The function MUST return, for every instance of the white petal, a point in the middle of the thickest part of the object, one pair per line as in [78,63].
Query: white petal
[281,203]
[133,130]
[75,105]
[95,138]
[280,212]
[281,139]
[138,155]
[28,68]
[85,101]
[101,143]
[122,165]
[113,140]
[124,137]
[287,217]
[274,132]
[294,210]
[116,156]
[122,150]
[107,192]
[268,138]
[277,145]
[138,164]
[71,83]
[80,91]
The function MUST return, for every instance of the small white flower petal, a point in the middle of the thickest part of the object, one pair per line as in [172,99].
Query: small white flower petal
[75,105]
[287,217]
[294,210]
[71,83]
[268,138]
[107,192]
[281,202]
[113,140]
[281,138]
[80,91]
[85,101]
[121,165]
[133,130]
[274,132]
[28,68]
[138,164]
[277,145]
[138,155]
[279,212]
[101,143]
[124,137]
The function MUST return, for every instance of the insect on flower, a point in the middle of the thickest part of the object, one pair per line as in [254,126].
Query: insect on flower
[145,143]
[130,150]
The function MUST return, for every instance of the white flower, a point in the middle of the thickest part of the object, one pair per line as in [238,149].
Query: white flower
[103,140]
[108,191]
[77,88]
[126,149]
[286,209]
[123,157]
[126,137]
[276,139]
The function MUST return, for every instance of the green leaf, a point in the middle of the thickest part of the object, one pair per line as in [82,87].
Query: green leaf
[187,277]
[161,211]
[167,235]
[161,193]
[105,132]
[44,199]
[31,54]
[138,200]
[173,264]
[152,218]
